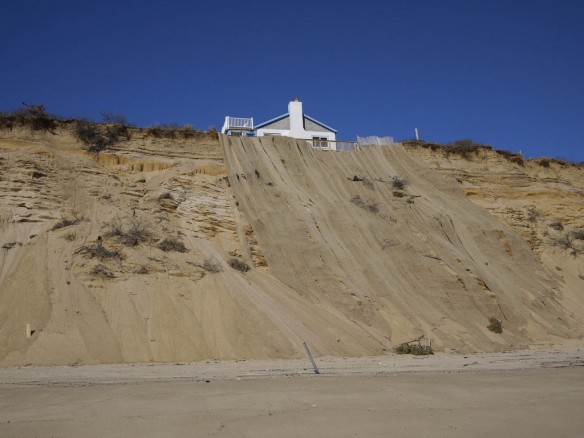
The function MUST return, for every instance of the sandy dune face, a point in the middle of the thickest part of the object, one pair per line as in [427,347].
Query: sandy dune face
[129,255]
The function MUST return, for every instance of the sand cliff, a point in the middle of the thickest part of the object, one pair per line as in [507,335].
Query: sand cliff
[352,266]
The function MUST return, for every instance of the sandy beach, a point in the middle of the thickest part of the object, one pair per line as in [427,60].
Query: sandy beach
[528,393]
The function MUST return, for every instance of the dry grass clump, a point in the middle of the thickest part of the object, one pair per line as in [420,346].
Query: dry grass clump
[238,265]
[98,251]
[367,205]
[172,244]
[66,222]
[495,325]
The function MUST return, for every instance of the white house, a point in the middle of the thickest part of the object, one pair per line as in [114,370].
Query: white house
[294,124]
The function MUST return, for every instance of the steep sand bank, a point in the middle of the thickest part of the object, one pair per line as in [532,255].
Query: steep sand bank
[351,267]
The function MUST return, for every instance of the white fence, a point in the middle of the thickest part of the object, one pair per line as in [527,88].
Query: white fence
[340,145]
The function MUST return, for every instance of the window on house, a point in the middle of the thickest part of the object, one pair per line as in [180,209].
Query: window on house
[320,142]
[236,133]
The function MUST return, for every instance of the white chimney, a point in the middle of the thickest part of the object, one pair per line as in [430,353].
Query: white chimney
[296,119]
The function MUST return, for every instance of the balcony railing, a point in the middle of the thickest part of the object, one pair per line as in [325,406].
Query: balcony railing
[240,123]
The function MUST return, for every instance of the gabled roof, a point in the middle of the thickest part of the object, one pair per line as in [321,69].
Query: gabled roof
[283,116]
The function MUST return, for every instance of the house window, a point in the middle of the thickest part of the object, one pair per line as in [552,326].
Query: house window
[320,142]
[236,133]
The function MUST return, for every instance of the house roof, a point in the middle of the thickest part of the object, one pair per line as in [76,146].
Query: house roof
[283,116]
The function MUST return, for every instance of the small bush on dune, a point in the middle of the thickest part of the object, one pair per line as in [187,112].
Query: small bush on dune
[171,244]
[66,222]
[97,250]
[138,231]
[414,347]
[495,325]
[238,265]
[398,183]
[34,117]
[98,137]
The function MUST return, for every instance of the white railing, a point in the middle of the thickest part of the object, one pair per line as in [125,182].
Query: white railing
[339,145]
[245,123]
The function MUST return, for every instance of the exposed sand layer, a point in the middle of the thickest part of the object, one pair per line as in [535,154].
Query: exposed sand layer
[524,393]
[352,266]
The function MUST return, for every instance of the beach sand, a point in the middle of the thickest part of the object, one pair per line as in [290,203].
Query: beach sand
[532,393]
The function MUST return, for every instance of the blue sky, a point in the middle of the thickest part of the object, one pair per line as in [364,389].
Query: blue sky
[508,73]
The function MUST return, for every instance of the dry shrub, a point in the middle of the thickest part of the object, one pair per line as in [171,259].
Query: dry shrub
[398,183]
[172,244]
[165,195]
[99,137]
[66,222]
[34,117]
[415,349]
[238,265]
[571,241]
[544,162]
[138,231]
[512,157]
[97,250]
[495,325]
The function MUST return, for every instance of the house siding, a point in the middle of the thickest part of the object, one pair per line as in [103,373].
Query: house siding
[283,124]
[309,125]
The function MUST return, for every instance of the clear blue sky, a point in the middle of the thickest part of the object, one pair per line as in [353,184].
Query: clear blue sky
[508,73]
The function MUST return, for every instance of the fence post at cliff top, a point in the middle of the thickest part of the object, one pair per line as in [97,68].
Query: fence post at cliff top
[311,358]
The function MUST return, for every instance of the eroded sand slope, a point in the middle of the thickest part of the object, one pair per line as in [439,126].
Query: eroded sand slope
[349,278]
